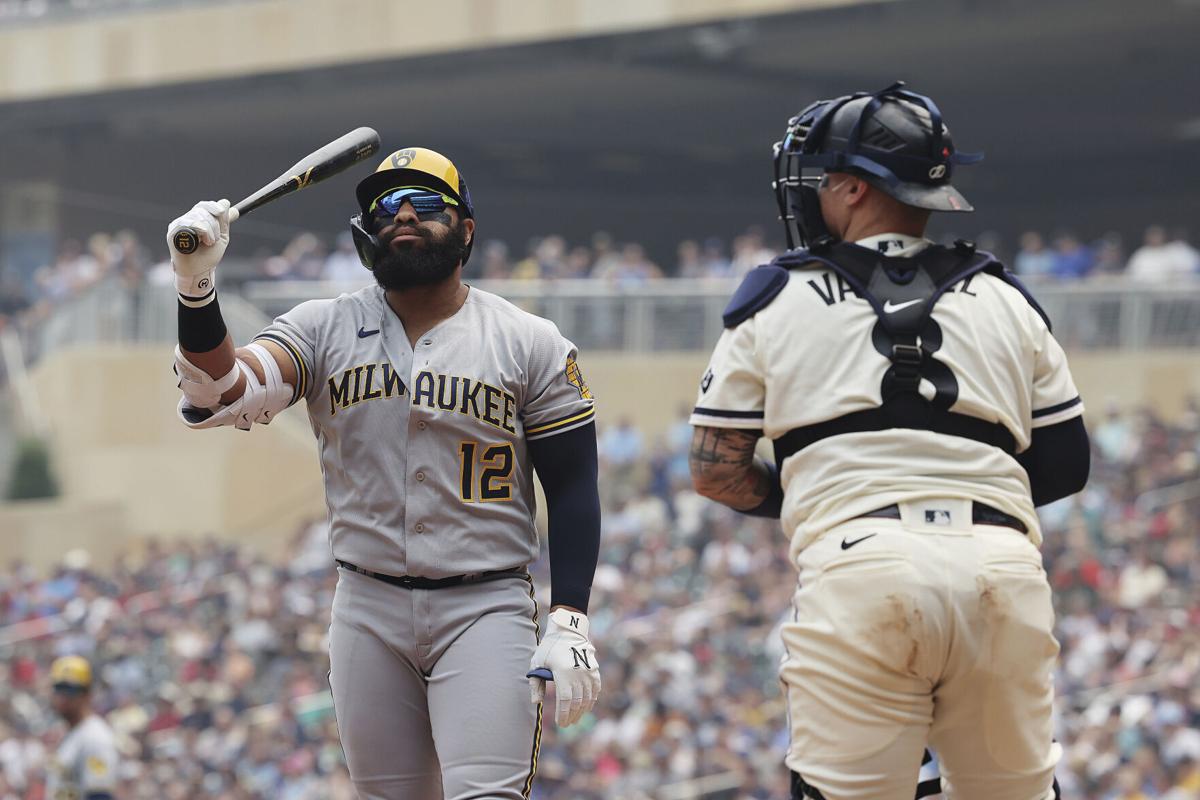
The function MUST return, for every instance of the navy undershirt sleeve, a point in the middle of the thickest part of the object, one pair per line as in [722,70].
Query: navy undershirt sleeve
[566,464]
[772,505]
[1058,461]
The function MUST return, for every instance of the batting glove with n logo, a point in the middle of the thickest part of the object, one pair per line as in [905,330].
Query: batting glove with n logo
[566,654]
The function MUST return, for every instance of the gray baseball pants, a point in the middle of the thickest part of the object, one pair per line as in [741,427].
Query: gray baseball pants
[429,688]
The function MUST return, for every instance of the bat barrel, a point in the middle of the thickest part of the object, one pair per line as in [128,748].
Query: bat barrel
[329,160]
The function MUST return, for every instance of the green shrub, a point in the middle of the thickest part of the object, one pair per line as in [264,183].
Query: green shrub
[32,477]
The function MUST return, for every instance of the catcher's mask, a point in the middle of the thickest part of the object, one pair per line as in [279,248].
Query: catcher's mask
[893,139]
[410,167]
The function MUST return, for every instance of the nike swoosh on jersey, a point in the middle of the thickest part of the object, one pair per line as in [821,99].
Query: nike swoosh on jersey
[888,308]
[362,334]
[847,545]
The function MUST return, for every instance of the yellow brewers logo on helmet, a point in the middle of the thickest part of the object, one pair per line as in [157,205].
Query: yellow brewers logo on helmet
[415,166]
[73,670]
[419,158]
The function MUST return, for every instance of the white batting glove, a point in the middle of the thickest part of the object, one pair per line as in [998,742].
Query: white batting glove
[194,271]
[568,655]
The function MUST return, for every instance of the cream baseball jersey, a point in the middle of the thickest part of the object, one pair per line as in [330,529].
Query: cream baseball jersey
[809,357]
[85,762]
[423,449]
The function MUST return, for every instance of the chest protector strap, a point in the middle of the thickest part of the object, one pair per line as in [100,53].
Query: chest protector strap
[903,292]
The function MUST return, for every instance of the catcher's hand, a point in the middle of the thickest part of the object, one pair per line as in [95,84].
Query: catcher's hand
[567,657]
[194,271]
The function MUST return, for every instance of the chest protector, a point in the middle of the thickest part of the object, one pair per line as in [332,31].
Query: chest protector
[903,293]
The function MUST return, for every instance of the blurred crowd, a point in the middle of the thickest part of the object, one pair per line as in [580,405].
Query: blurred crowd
[210,667]
[1124,560]
[1161,258]
[212,661]
[76,267]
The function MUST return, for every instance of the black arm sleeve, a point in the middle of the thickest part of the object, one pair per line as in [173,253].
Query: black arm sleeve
[772,505]
[1058,460]
[566,464]
[201,329]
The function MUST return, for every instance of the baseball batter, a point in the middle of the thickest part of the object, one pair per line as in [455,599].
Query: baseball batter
[433,402]
[85,765]
[919,409]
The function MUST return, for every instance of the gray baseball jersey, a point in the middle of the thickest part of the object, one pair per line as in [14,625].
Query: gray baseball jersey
[423,449]
[427,474]
[85,762]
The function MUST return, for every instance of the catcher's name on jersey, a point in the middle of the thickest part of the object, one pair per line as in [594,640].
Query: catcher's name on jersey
[461,395]
[423,446]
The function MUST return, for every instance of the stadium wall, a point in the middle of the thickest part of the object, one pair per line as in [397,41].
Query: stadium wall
[115,439]
[40,532]
[198,42]
[129,470]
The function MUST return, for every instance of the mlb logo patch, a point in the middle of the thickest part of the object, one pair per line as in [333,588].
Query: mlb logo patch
[937,516]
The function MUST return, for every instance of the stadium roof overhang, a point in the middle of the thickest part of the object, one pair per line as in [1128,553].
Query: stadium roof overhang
[1089,114]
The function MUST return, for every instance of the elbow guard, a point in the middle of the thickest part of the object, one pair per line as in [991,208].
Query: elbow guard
[200,406]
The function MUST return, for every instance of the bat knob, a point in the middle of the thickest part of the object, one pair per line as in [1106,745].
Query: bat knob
[540,672]
[185,241]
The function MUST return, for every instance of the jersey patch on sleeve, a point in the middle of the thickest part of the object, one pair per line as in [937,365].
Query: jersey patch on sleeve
[575,378]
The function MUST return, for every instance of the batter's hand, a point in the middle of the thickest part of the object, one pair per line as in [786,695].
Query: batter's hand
[566,652]
[194,271]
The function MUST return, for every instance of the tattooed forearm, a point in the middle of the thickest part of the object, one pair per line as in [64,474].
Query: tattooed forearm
[715,446]
[724,468]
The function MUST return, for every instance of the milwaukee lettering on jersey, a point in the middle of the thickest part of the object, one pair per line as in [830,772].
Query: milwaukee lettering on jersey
[474,398]
[362,383]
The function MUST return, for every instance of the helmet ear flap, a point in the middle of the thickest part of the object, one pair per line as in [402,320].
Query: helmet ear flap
[811,224]
[365,244]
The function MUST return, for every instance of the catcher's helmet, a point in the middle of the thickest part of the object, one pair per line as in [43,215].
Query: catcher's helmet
[411,166]
[893,139]
[71,672]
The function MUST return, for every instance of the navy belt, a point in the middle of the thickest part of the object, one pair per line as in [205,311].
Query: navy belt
[981,514]
[416,582]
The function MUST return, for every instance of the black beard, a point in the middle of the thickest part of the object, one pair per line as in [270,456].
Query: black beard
[424,263]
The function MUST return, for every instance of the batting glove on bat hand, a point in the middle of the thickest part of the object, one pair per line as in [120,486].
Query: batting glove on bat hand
[566,654]
[194,271]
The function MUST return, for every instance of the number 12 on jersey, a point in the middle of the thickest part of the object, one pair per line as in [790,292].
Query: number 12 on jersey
[495,463]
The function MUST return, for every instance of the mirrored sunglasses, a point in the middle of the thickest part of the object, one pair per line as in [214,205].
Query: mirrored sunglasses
[424,201]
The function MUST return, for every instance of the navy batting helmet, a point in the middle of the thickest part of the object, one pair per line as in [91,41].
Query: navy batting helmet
[893,139]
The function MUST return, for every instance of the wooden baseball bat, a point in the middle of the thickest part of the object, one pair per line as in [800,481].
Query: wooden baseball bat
[331,159]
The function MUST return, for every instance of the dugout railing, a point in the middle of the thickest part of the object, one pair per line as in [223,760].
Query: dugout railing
[670,315]
[685,315]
